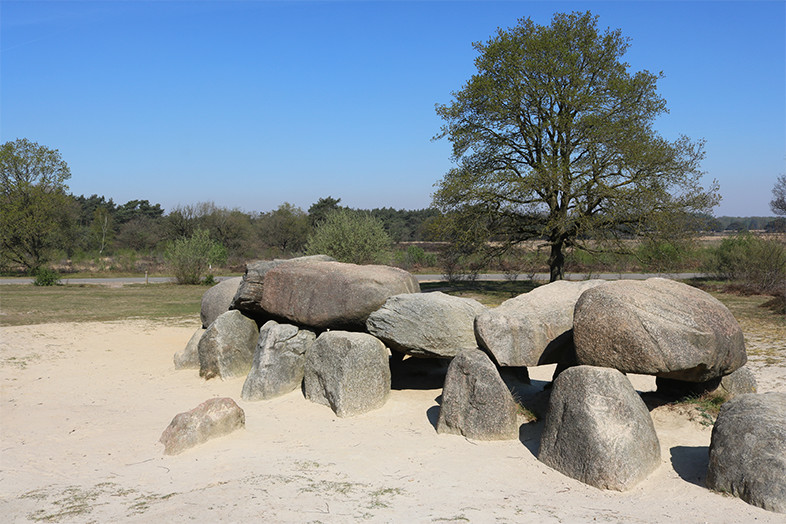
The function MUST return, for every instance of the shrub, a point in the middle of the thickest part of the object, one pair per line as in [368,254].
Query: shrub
[190,257]
[350,236]
[46,277]
[755,263]
[414,257]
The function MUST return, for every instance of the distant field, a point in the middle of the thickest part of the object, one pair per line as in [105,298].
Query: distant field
[28,304]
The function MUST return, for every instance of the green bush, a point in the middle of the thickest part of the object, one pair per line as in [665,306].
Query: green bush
[350,236]
[661,255]
[191,257]
[46,277]
[414,257]
[757,264]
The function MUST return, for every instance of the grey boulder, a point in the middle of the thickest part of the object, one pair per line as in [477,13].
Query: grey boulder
[347,371]
[738,382]
[279,361]
[226,349]
[426,324]
[476,403]
[657,327]
[748,450]
[598,430]
[213,418]
[248,297]
[332,294]
[188,358]
[534,328]
[217,300]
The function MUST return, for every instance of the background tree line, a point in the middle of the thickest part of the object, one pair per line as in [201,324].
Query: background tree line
[41,222]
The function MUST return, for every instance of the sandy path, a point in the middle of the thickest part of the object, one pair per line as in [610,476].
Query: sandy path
[83,406]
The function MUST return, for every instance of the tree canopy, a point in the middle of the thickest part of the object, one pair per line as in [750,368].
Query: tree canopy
[34,206]
[778,202]
[553,139]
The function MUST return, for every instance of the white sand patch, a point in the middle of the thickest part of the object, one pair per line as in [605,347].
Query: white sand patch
[83,406]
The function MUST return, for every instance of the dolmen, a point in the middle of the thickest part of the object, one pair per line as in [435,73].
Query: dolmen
[302,323]
[334,329]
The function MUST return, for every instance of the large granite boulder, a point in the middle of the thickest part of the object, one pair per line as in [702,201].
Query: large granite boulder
[426,324]
[748,450]
[217,300]
[657,327]
[226,349]
[213,418]
[248,297]
[188,357]
[598,430]
[533,328]
[279,361]
[332,294]
[347,371]
[476,403]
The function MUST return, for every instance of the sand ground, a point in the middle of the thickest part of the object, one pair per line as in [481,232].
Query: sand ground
[83,405]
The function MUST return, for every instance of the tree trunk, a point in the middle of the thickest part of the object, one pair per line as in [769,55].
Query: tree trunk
[557,261]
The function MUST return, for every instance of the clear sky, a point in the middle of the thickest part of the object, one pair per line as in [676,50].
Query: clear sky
[251,104]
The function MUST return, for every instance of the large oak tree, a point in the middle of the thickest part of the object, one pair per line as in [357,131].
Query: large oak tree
[35,211]
[553,139]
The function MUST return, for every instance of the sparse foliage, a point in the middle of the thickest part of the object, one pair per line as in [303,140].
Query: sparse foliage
[285,229]
[755,263]
[191,257]
[778,202]
[554,140]
[350,236]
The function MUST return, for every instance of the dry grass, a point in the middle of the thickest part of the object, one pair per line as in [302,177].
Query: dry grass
[28,304]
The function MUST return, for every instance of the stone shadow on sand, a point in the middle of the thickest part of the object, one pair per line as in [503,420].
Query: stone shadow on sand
[691,463]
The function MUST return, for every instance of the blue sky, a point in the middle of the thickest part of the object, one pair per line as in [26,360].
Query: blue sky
[251,104]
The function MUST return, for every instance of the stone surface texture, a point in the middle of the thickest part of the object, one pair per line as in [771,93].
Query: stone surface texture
[279,361]
[533,328]
[748,450]
[738,382]
[476,403]
[350,372]
[332,295]
[426,324]
[248,297]
[217,300]
[213,418]
[188,357]
[226,349]
[657,327]
[598,430]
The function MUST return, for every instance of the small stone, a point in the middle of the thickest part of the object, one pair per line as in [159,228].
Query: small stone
[213,418]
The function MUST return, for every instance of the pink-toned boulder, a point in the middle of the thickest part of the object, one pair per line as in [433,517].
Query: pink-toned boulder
[213,418]
[657,327]
[248,297]
[332,295]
